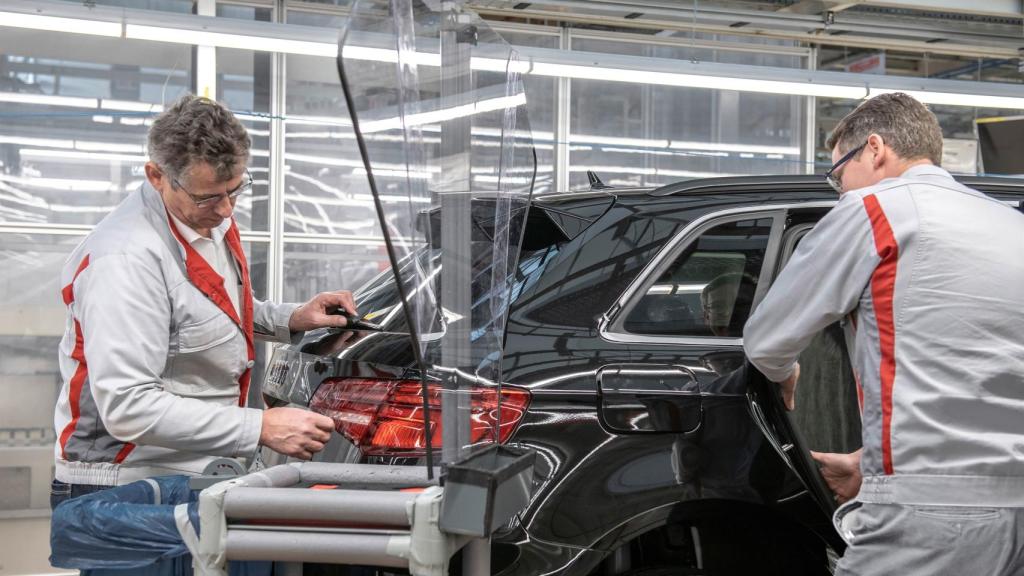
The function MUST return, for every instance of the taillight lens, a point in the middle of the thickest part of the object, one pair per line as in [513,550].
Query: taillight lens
[385,417]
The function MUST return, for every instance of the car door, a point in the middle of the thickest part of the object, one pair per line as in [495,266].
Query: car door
[688,310]
[826,417]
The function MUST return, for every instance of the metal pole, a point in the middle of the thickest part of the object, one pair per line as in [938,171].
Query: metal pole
[358,476]
[563,94]
[206,57]
[379,508]
[810,119]
[476,557]
[359,549]
[456,223]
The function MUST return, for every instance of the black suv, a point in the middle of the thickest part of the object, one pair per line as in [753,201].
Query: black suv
[659,450]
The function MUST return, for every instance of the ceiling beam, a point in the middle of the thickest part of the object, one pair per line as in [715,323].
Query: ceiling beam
[817,6]
[819,34]
[998,8]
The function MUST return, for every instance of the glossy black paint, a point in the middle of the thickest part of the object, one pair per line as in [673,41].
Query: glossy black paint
[712,449]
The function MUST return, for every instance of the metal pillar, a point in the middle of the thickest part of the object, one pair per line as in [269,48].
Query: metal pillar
[206,57]
[563,124]
[810,119]
[454,189]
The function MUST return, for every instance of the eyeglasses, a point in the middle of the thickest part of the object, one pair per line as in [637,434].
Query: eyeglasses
[200,201]
[835,180]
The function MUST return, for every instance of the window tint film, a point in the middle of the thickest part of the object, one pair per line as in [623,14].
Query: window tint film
[827,410]
[709,289]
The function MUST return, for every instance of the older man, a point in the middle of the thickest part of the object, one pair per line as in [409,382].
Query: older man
[158,350]
[927,274]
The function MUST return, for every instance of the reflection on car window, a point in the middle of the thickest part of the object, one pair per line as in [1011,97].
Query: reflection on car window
[709,289]
[378,298]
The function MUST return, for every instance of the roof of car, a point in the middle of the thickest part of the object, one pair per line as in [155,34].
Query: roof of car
[740,184]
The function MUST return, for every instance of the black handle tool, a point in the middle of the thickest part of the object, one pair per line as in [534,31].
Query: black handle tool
[356,323]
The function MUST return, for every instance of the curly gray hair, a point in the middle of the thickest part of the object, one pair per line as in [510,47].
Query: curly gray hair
[197,130]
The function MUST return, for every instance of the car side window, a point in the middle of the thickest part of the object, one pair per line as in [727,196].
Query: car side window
[709,288]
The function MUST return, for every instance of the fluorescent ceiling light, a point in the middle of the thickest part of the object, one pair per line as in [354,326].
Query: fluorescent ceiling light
[647,171]
[57,24]
[698,81]
[224,40]
[318,121]
[665,144]
[252,117]
[79,102]
[387,173]
[391,56]
[47,100]
[445,114]
[66,184]
[128,106]
[63,155]
[88,145]
[953,99]
[742,148]
[327,161]
[44,142]
[195,30]
[92,146]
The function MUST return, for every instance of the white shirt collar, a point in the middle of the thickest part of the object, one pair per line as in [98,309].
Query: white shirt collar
[191,236]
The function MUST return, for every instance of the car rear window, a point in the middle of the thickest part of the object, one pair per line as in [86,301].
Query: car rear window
[379,300]
[709,288]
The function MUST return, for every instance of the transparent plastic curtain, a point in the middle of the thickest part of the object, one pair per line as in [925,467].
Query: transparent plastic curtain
[439,110]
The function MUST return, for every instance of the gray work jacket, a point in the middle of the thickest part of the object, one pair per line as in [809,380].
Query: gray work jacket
[929,275]
[155,360]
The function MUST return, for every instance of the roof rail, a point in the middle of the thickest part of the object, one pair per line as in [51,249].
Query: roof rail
[810,183]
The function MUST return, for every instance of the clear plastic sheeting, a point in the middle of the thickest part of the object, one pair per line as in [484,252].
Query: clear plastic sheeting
[440,115]
[294,376]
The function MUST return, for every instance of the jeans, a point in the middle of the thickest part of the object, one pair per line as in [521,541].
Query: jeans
[178,566]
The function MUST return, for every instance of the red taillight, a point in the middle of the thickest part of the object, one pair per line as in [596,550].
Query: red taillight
[385,417]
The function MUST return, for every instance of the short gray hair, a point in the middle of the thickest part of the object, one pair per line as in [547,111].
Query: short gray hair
[196,130]
[905,124]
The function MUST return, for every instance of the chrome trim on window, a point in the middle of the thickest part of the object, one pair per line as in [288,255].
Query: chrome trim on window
[609,325]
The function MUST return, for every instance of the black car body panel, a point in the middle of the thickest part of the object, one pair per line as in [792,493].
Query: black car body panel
[617,462]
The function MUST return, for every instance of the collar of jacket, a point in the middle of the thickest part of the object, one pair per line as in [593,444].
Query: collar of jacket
[925,170]
[205,278]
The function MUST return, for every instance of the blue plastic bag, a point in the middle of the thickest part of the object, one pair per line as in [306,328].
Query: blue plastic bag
[126,526]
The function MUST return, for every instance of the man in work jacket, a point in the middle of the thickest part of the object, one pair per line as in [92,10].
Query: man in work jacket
[158,351]
[927,275]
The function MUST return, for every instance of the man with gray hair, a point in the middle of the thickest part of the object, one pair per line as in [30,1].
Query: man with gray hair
[158,350]
[926,276]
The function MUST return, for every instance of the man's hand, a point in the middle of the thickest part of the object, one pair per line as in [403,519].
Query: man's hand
[316,312]
[841,473]
[295,432]
[788,389]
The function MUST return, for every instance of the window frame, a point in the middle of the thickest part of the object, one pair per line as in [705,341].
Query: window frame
[611,325]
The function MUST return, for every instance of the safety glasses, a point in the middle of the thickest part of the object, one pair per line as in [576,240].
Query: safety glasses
[834,177]
[213,200]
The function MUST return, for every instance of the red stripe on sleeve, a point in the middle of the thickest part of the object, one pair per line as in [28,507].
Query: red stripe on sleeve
[75,389]
[68,292]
